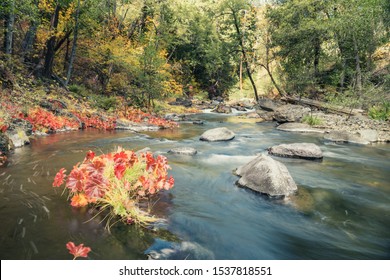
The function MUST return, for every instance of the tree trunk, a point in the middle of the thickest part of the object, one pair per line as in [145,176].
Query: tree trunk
[244,55]
[241,74]
[28,41]
[66,56]
[74,46]
[9,26]
[50,46]
[280,91]
[358,70]
[267,67]
[29,38]
[317,51]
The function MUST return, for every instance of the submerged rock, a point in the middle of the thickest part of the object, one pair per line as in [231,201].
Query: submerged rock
[217,134]
[266,175]
[183,151]
[297,150]
[163,250]
[198,122]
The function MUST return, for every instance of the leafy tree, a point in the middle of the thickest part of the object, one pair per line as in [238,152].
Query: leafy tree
[326,42]
[239,18]
[8,9]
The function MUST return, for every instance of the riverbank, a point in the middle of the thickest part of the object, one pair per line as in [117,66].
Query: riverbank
[28,110]
[347,125]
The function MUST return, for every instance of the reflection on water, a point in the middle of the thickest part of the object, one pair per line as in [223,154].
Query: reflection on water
[341,210]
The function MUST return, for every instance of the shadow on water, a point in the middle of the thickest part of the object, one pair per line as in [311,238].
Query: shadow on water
[341,211]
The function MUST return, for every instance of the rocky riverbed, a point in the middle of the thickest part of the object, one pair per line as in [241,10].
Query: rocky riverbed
[356,127]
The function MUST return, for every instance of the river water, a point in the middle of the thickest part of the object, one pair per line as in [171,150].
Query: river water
[341,211]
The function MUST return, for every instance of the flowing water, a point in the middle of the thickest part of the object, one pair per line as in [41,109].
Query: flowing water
[341,211]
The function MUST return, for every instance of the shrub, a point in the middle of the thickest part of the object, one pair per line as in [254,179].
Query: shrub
[79,90]
[311,120]
[117,181]
[106,102]
[380,112]
[46,121]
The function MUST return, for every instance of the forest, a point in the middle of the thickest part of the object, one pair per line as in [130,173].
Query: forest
[147,49]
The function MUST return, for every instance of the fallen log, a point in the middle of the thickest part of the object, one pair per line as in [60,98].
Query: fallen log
[322,105]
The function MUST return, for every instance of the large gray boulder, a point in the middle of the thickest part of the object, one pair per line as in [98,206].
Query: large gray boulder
[18,133]
[183,151]
[290,113]
[18,137]
[297,150]
[266,175]
[20,124]
[217,134]
[269,105]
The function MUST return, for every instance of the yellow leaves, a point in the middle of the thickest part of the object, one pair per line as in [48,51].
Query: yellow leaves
[47,6]
[172,87]
[66,15]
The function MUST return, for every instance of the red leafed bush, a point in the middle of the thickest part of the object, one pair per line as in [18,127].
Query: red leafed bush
[117,181]
[43,120]
[96,121]
[138,116]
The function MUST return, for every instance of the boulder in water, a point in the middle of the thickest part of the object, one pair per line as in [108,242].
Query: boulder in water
[266,175]
[18,132]
[18,138]
[183,151]
[297,150]
[222,109]
[217,134]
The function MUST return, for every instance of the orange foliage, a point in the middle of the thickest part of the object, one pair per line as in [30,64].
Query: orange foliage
[43,120]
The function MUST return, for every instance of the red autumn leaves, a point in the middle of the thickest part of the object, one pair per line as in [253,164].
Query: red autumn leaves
[118,180]
[43,120]
[78,251]
[98,177]
[138,116]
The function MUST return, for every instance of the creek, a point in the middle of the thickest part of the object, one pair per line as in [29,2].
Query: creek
[341,211]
